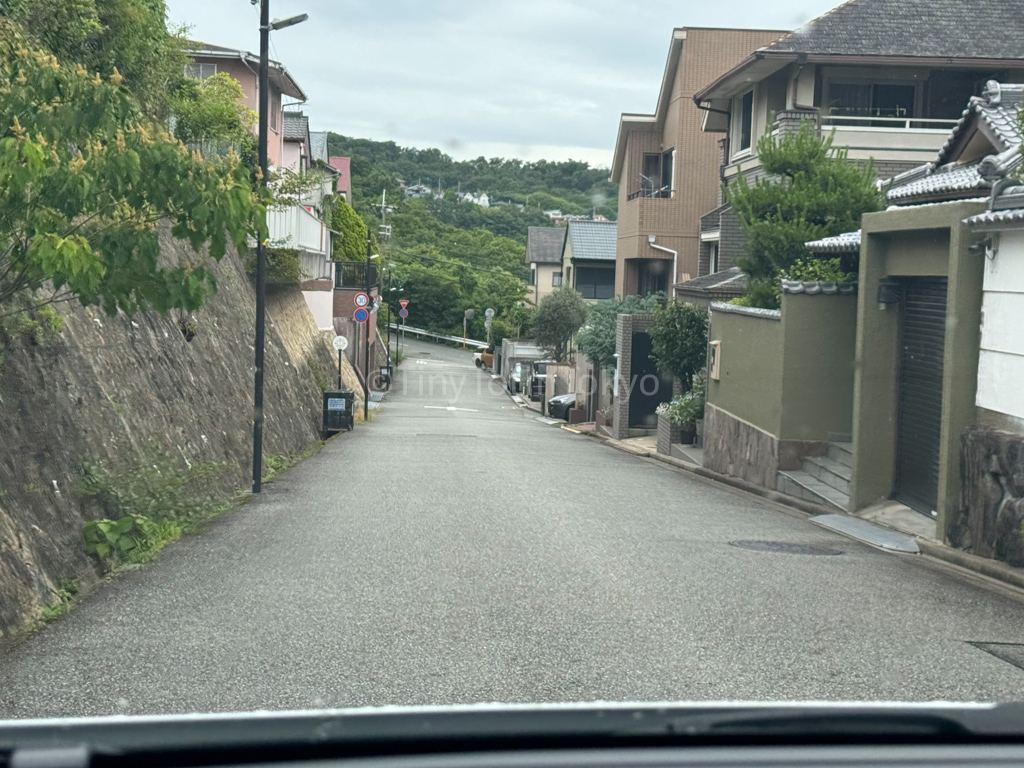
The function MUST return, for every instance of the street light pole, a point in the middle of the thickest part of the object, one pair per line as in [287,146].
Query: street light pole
[261,253]
[261,246]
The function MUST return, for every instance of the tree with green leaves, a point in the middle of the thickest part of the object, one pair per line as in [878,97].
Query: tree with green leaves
[85,186]
[596,339]
[211,112]
[812,191]
[558,317]
[679,341]
[104,36]
[350,243]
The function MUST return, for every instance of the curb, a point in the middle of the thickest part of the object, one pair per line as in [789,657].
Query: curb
[993,569]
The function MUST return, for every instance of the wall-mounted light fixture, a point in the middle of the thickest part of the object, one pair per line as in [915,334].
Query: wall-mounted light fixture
[888,294]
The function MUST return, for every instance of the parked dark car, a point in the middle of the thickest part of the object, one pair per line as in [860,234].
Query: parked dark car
[558,407]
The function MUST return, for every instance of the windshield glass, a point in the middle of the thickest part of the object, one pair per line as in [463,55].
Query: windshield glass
[531,353]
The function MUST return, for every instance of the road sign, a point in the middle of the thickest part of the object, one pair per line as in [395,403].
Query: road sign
[403,313]
[488,313]
[340,343]
[362,299]
[403,303]
[360,315]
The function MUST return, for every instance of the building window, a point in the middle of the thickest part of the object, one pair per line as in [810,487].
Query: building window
[871,100]
[712,258]
[651,173]
[556,279]
[533,275]
[568,275]
[657,174]
[595,282]
[200,71]
[746,119]
[273,118]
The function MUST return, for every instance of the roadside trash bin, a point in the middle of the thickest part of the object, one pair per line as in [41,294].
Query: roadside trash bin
[338,407]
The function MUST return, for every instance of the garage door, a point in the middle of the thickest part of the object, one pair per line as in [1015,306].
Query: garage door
[922,345]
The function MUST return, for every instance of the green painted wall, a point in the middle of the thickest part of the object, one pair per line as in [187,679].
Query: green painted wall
[819,334]
[750,385]
[922,241]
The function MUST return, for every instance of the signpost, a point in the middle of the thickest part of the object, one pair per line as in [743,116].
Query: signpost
[403,303]
[403,313]
[361,315]
[340,343]
[361,300]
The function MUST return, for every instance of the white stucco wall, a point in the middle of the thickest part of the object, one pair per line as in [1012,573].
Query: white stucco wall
[321,305]
[1001,362]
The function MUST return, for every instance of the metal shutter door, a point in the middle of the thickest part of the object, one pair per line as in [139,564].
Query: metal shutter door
[920,397]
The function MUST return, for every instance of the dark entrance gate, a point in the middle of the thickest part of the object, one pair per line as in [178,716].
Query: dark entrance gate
[922,344]
[648,387]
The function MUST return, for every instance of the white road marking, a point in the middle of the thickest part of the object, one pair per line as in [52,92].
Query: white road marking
[450,408]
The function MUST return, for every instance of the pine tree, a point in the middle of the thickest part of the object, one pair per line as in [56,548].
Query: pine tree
[812,191]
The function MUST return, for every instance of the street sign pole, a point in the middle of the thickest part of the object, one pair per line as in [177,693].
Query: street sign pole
[366,346]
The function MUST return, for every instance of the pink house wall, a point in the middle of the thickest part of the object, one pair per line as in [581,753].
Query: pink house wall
[249,81]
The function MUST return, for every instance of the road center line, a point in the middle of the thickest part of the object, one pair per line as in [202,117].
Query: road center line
[450,408]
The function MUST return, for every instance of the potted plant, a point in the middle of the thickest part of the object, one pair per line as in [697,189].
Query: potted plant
[687,410]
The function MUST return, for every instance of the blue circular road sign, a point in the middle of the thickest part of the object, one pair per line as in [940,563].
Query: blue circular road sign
[404,313]
[361,315]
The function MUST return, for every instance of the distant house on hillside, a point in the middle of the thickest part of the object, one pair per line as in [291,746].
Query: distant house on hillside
[343,165]
[544,255]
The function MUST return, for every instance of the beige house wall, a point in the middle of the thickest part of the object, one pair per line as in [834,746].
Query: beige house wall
[545,273]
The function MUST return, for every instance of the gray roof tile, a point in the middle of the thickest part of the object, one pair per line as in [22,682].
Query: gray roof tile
[731,280]
[295,126]
[985,29]
[848,242]
[318,145]
[995,219]
[948,179]
[593,239]
[544,245]
[997,108]
[818,287]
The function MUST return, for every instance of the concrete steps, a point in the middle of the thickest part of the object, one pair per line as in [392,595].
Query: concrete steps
[822,480]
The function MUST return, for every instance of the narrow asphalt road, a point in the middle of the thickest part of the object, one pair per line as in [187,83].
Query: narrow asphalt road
[457,550]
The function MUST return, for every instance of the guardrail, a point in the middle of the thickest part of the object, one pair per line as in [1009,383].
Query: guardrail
[440,337]
[869,121]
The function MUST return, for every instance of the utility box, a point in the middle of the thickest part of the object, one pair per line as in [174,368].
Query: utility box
[338,411]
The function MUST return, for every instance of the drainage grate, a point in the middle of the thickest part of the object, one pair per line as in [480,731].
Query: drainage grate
[1011,653]
[784,548]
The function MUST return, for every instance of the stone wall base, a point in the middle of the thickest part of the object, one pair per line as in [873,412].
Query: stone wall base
[739,449]
[991,512]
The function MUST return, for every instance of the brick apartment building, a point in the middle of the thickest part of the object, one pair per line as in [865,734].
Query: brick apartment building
[667,169]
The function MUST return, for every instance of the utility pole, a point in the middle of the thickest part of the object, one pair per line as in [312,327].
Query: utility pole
[261,254]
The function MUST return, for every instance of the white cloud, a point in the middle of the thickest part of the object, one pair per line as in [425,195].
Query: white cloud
[518,77]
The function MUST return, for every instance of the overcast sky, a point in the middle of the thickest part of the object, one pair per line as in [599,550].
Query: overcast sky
[501,78]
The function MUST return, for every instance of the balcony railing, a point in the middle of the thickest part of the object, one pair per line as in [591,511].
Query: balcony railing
[887,123]
[295,227]
[663,192]
[352,274]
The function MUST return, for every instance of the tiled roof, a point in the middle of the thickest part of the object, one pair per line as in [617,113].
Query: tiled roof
[318,145]
[994,115]
[848,242]
[544,245]
[818,287]
[343,166]
[593,239]
[997,108]
[736,309]
[730,280]
[948,179]
[995,219]
[295,127]
[983,29]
